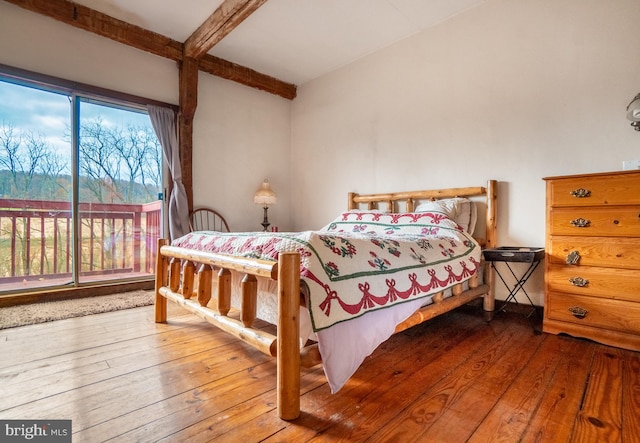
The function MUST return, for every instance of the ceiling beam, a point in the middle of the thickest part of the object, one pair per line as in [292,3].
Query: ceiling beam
[106,26]
[224,20]
[240,74]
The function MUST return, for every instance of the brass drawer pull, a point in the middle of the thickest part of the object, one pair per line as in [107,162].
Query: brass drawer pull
[578,312]
[578,281]
[573,258]
[581,223]
[581,193]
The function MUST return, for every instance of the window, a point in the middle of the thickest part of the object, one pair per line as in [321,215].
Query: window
[80,185]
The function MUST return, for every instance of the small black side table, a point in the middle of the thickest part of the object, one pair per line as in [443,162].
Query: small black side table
[511,254]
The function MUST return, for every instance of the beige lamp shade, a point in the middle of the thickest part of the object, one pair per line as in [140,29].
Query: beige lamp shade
[264,195]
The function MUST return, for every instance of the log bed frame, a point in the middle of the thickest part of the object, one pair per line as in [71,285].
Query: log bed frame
[183,274]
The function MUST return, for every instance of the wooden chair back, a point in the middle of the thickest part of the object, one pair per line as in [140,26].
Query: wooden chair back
[207,219]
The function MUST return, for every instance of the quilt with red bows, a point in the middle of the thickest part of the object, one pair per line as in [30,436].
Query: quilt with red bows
[361,261]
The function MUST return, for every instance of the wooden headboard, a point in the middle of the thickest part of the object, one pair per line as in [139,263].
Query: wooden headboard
[407,201]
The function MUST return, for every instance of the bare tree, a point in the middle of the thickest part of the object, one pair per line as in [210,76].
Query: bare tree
[33,168]
[151,171]
[32,164]
[119,162]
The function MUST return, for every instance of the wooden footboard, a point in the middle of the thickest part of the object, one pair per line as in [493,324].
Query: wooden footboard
[185,277]
[179,271]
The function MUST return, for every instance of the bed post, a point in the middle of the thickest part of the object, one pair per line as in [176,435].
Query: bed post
[492,196]
[288,349]
[352,204]
[162,267]
[490,242]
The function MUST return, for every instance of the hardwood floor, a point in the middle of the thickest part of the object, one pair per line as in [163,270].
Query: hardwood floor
[121,377]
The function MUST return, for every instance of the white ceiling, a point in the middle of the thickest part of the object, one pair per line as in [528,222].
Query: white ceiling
[292,40]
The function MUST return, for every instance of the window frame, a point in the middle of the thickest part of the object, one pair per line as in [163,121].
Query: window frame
[79,92]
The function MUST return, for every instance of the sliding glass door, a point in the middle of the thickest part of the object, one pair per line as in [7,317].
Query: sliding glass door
[35,188]
[119,183]
[80,189]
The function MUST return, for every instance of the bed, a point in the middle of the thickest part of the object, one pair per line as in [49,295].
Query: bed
[389,262]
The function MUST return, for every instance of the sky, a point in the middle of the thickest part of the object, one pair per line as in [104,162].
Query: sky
[49,114]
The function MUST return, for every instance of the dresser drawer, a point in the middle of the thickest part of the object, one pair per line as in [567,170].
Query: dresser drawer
[595,251]
[612,189]
[619,284]
[618,221]
[614,315]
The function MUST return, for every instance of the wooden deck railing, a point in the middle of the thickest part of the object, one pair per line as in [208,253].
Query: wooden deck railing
[36,239]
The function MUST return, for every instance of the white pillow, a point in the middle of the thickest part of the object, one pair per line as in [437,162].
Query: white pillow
[404,223]
[462,210]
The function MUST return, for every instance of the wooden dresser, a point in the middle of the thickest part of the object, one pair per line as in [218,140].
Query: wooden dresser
[592,270]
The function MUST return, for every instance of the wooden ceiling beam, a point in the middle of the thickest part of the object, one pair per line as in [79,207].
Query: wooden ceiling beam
[240,74]
[106,26]
[224,20]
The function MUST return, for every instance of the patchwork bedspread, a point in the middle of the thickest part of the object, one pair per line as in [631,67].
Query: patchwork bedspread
[362,261]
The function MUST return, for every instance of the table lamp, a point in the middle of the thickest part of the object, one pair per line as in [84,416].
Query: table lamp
[265,196]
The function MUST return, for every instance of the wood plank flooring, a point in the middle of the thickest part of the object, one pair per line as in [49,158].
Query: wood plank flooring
[121,377]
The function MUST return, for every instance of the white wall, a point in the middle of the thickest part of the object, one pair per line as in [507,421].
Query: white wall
[241,135]
[513,90]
